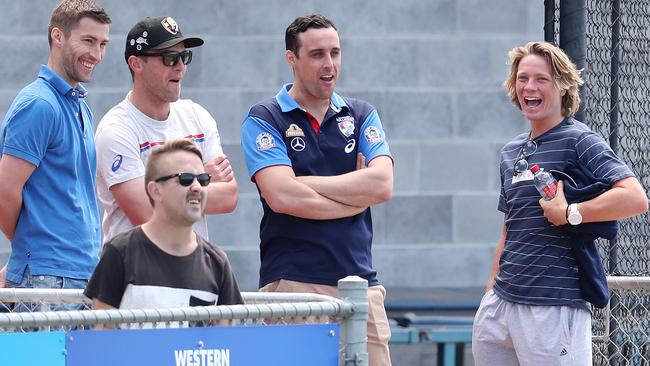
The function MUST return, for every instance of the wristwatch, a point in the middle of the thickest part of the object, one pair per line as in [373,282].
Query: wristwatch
[573,216]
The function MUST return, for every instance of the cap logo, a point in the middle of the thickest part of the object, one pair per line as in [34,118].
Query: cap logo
[170,25]
[140,41]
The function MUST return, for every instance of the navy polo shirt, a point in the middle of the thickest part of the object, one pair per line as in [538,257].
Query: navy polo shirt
[50,126]
[537,265]
[278,131]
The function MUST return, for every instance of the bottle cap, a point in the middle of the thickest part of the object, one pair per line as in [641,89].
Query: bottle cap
[534,168]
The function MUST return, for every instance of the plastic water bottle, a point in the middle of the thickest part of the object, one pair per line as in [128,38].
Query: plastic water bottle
[544,182]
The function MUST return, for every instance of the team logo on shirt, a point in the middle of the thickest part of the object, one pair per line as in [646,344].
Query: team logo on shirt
[294,131]
[298,144]
[117,162]
[373,134]
[346,125]
[264,141]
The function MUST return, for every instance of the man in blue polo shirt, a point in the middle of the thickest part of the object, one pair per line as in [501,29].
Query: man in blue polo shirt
[535,310]
[47,169]
[306,150]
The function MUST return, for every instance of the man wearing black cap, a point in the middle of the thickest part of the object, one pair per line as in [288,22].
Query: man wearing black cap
[157,54]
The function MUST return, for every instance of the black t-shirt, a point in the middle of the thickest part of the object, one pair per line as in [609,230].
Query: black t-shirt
[134,273]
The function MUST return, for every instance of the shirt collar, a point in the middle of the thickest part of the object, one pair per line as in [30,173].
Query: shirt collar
[287,103]
[62,86]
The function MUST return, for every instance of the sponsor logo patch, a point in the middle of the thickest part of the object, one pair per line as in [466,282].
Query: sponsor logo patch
[264,141]
[117,163]
[350,146]
[298,144]
[373,134]
[294,131]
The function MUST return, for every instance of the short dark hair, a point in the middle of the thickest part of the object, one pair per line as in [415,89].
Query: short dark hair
[68,13]
[152,170]
[302,24]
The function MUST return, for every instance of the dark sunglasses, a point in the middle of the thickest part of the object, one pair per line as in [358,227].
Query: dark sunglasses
[171,58]
[186,179]
[529,148]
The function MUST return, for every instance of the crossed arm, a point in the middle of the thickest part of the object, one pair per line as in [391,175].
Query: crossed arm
[362,187]
[326,198]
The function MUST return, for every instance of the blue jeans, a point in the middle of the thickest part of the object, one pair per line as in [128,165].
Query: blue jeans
[44,281]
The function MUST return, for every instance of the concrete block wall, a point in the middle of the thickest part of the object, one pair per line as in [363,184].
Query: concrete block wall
[433,69]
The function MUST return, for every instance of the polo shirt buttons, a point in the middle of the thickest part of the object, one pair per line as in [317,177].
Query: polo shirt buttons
[74,94]
[29,254]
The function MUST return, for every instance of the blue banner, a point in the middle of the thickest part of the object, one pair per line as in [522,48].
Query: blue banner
[32,349]
[287,345]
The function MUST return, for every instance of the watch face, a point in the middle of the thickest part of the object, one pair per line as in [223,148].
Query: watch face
[574,218]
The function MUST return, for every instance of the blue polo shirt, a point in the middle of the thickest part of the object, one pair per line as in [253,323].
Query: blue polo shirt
[537,265]
[50,126]
[278,131]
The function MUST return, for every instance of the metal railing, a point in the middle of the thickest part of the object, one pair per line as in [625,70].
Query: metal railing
[350,309]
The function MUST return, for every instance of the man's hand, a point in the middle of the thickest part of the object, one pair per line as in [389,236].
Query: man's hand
[220,169]
[555,209]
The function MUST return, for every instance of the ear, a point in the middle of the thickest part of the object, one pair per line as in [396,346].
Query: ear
[290,57]
[135,64]
[57,36]
[153,189]
[562,92]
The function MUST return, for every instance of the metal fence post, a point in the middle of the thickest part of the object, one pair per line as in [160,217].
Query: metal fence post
[354,329]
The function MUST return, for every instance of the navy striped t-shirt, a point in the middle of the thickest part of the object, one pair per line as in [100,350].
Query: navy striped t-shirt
[537,265]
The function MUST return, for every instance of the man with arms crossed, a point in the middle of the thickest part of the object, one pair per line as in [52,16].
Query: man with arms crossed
[47,171]
[306,149]
[534,312]
[157,55]
[164,263]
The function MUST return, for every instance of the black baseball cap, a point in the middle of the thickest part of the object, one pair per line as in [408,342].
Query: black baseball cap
[156,33]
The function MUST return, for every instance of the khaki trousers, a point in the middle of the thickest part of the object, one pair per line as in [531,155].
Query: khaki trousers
[378,328]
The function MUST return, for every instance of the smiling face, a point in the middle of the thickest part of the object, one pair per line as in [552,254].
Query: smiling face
[317,64]
[77,54]
[539,97]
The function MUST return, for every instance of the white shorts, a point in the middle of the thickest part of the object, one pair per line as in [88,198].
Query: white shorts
[507,333]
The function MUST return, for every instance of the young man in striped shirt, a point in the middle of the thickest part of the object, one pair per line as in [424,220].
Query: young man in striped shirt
[534,312]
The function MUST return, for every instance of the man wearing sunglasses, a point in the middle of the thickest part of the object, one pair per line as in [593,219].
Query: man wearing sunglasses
[536,310]
[158,56]
[319,161]
[164,263]
[47,171]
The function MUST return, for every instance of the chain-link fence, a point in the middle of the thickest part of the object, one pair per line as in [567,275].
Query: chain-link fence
[616,100]
[621,331]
